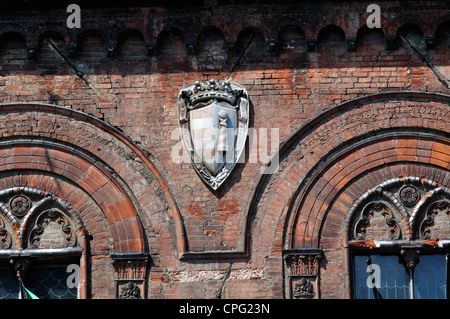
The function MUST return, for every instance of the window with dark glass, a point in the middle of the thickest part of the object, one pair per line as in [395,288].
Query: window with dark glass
[46,281]
[42,241]
[9,284]
[386,276]
[50,281]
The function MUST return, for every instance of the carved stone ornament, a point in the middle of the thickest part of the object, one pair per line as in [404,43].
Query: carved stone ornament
[304,265]
[368,212]
[130,269]
[130,275]
[5,237]
[62,235]
[130,291]
[213,119]
[303,271]
[409,195]
[439,207]
[409,207]
[32,218]
[303,288]
[20,205]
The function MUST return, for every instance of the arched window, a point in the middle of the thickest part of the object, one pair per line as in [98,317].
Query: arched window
[42,241]
[394,232]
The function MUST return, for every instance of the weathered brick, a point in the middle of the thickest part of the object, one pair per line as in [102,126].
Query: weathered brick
[126,187]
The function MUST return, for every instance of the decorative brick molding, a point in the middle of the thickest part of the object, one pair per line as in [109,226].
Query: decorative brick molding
[351,160]
[333,122]
[152,25]
[386,152]
[82,166]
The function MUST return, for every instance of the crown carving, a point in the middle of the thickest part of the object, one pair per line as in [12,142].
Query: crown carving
[211,89]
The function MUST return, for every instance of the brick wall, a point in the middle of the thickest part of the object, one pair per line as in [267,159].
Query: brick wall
[314,71]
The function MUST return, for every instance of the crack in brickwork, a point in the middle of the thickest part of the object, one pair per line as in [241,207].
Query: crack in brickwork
[426,61]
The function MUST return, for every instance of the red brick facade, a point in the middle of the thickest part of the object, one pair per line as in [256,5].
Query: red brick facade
[90,116]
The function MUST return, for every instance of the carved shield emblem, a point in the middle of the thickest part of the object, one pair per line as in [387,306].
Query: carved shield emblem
[213,121]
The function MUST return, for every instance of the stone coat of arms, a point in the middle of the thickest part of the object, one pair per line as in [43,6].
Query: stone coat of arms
[213,118]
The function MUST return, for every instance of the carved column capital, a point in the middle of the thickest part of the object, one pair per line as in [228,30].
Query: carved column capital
[130,269]
[303,262]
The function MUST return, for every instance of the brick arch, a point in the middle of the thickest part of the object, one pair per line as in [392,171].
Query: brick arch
[330,28]
[403,21]
[400,147]
[136,35]
[82,208]
[253,25]
[331,38]
[66,163]
[441,30]
[334,237]
[10,31]
[292,32]
[365,32]
[332,192]
[122,34]
[276,198]
[254,38]
[164,42]
[93,145]
[211,48]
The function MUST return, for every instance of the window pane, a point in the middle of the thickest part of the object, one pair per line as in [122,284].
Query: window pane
[9,285]
[50,282]
[393,278]
[360,275]
[430,277]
